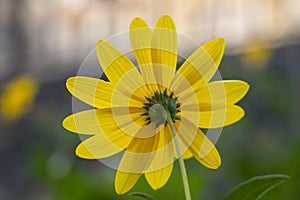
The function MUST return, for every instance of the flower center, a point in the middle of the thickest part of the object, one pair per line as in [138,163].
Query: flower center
[157,106]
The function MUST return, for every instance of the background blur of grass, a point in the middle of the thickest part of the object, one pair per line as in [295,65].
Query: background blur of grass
[47,40]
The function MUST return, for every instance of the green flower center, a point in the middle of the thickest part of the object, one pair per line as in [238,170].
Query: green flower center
[157,106]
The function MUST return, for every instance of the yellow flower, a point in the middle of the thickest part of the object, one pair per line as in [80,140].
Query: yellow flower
[17,97]
[130,109]
[256,54]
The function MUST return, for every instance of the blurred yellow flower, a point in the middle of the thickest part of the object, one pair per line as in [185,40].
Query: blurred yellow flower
[137,110]
[17,97]
[256,54]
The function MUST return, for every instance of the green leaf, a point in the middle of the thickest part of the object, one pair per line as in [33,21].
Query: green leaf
[256,187]
[143,195]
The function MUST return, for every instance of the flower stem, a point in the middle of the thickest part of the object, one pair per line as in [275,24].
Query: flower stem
[180,159]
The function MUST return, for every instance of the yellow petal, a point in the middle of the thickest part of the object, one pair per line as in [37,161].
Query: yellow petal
[114,63]
[186,132]
[205,152]
[189,110]
[141,151]
[92,91]
[125,181]
[85,122]
[222,93]
[103,120]
[99,146]
[99,93]
[165,152]
[129,120]
[163,75]
[215,49]
[159,178]
[199,68]
[152,148]
[187,155]
[137,98]
[197,143]
[164,42]
[140,39]
[187,95]
[126,87]
[221,117]
[108,134]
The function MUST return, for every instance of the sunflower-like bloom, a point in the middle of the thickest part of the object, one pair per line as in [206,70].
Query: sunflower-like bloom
[133,109]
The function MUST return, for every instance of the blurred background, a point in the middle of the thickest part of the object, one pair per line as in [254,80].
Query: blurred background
[43,42]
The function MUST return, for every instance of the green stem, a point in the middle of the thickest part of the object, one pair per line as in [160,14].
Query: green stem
[180,159]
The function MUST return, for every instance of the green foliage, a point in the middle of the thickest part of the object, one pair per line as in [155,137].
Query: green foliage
[255,187]
[143,195]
